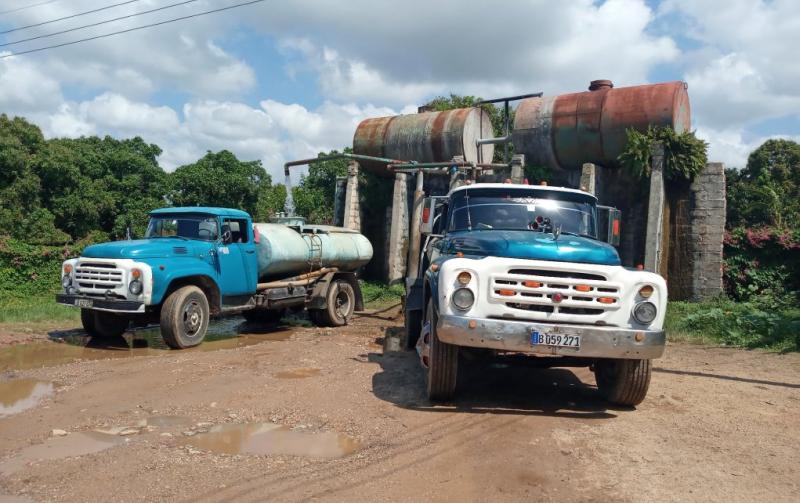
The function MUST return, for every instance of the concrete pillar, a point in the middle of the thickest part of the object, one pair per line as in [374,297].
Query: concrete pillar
[655,210]
[518,168]
[707,229]
[352,207]
[588,183]
[455,174]
[398,235]
[416,220]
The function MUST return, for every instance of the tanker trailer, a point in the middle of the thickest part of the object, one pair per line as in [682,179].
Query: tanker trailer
[195,263]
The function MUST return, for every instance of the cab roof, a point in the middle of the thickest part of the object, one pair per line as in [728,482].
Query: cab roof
[516,186]
[206,210]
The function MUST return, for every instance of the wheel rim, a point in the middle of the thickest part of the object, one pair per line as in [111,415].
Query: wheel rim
[192,318]
[342,304]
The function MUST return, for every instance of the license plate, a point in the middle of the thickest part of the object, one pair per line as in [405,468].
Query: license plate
[555,340]
[84,302]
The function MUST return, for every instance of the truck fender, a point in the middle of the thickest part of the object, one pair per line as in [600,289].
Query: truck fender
[319,298]
[205,283]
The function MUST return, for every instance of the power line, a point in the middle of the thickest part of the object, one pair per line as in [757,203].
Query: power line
[131,29]
[9,11]
[96,24]
[68,17]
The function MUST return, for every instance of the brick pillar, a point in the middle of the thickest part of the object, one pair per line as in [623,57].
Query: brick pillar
[352,207]
[707,228]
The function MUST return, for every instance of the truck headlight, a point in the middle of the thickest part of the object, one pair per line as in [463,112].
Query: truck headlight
[66,280]
[135,287]
[463,298]
[645,312]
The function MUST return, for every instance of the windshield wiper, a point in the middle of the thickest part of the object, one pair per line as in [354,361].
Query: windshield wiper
[579,234]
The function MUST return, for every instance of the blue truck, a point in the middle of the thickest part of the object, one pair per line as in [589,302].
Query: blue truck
[196,262]
[532,270]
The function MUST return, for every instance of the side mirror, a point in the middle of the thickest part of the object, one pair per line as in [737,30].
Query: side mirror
[609,222]
[426,223]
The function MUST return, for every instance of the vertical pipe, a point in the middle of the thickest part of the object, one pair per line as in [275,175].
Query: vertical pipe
[505,155]
[655,210]
[414,240]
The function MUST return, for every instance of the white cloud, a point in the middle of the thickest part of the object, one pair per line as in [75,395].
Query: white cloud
[24,87]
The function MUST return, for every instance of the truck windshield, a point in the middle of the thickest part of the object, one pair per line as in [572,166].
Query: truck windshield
[184,226]
[523,209]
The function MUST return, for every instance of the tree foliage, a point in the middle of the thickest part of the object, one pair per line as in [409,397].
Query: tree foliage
[314,195]
[685,155]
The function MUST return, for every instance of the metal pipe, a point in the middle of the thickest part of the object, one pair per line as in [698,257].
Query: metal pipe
[494,141]
[357,157]
[300,280]
[510,98]
[428,165]
[496,165]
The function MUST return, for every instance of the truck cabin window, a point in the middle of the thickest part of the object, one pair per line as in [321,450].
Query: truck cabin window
[529,209]
[237,228]
[184,226]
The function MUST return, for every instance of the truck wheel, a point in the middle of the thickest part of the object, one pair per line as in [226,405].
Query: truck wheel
[442,364]
[341,304]
[413,324]
[184,317]
[623,382]
[269,316]
[87,320]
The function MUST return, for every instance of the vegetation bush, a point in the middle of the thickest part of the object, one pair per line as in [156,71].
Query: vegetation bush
[685,155]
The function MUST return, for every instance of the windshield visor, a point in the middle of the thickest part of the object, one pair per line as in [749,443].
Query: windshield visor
[199,227]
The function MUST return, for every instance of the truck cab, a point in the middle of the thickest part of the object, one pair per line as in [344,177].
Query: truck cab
[197,262]
[511,268]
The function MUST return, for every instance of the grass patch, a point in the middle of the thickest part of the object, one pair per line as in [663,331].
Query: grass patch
[24,309]
[759,323]
[377,294]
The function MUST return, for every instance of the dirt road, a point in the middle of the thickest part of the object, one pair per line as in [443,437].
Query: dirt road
[298,414]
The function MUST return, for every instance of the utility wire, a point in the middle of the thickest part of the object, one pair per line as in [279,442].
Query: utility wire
[132,29]
[68,17]
[9,11]
[96,24]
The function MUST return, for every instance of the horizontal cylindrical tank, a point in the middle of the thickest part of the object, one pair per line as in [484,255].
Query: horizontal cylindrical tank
[424,137]
[285,251]
[571,129]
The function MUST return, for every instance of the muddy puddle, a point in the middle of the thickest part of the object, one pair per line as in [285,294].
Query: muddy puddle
[300,373]
[270,438]
[74,345]
[54,448]
[21,394]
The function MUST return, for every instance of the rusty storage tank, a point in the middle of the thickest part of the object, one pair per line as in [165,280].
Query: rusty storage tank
[424,137]
[568,130]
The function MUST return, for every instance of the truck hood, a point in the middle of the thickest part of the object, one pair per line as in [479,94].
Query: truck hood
[143,248]
[532,245]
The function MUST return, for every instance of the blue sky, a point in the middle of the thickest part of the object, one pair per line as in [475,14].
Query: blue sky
[282,80]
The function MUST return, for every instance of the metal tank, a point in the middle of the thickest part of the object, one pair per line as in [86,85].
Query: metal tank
[571,129]
[285,251]
[424,137]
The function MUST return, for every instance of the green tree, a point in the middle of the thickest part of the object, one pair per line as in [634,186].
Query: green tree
[271,200]
[767,191]
[219,179]
[314,195]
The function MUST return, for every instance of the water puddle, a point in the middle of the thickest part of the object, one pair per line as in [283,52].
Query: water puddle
[21,394]
[54,448]
[168,421]
[271,438]
[297,373]
[75,345]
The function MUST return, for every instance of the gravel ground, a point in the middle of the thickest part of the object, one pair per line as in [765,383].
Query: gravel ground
[299,413]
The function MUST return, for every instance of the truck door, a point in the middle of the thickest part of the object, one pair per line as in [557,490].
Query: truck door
[237,258]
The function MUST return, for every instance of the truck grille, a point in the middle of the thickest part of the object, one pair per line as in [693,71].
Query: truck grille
[533,291]
[98,276]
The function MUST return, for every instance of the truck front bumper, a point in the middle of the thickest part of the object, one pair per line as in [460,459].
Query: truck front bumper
[100,304]
[515,336]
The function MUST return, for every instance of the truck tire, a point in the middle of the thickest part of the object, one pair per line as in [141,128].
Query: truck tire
[184,317]
[341,300]
[442,364]
[623,382]
[100,324]
[413,325]
[268,316]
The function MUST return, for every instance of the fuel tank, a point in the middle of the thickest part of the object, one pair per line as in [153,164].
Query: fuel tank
[424,137]
[568,130]
[285,251]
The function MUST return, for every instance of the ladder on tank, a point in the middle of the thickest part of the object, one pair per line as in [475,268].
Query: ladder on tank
[314,250]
